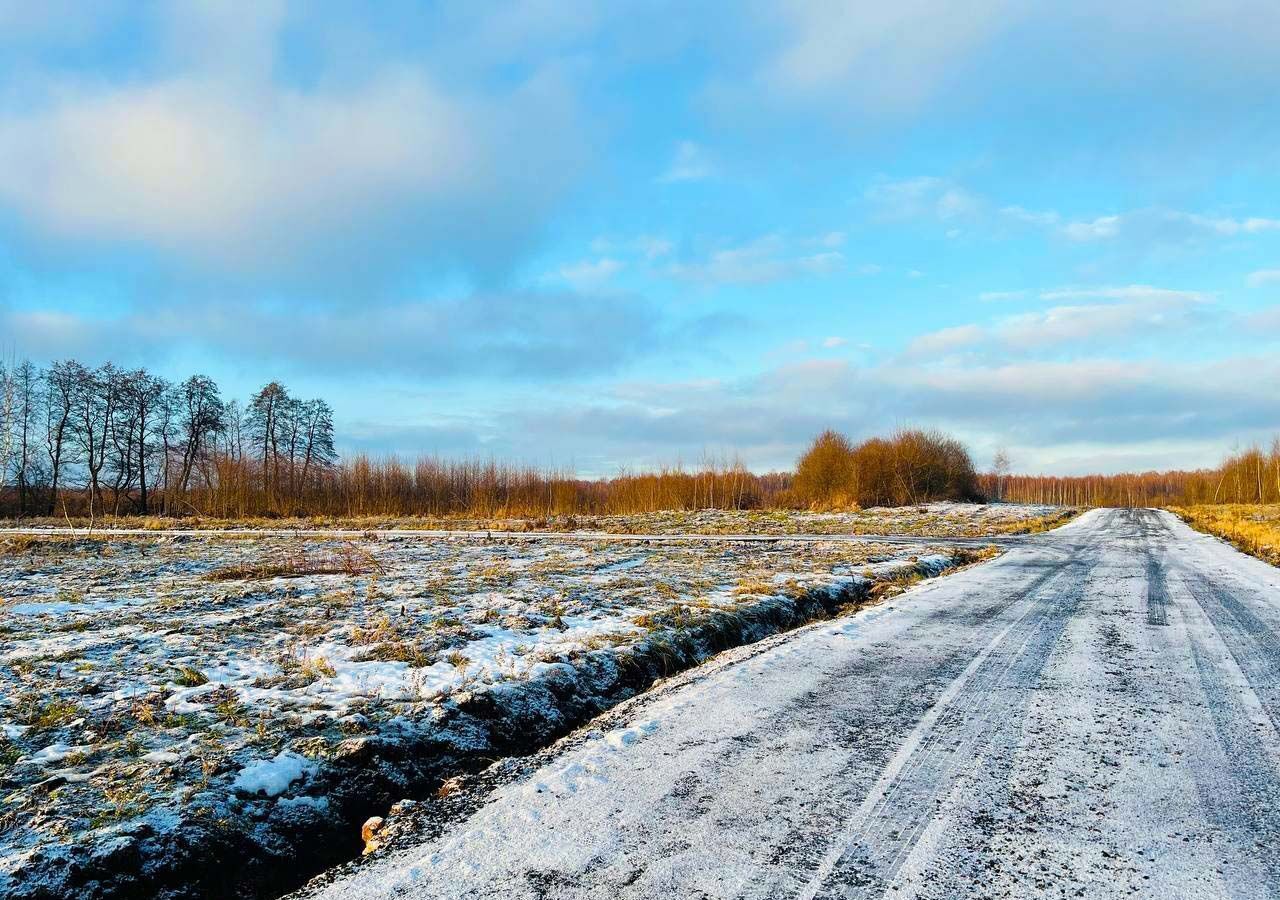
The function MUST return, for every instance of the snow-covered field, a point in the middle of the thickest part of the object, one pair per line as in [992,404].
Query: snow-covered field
[1094,714]
[170,703]
[929,520]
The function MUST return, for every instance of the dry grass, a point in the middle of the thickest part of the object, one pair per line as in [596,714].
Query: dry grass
[55,544]
[316,667]
[1251,528]
[1039,524]
[754,586]
[346,560]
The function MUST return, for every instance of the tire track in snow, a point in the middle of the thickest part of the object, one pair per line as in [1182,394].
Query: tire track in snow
[1157,593]
[977,713]
[1242,795]
[839,691]
[1163,769]
[1253,644]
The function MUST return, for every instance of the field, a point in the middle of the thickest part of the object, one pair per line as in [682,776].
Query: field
[930,520]
[173,702]
[1251,528]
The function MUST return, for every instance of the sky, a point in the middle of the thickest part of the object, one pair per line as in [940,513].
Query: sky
[615,235]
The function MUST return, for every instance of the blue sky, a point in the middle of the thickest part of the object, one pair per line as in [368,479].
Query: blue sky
[622,234]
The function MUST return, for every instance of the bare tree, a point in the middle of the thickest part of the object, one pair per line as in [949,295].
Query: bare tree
[234,434]
[134,435]
[266,410]
[1275,463]
[60,391]
[7,404]
[200,419]
[94,400]
[123,436]
[1001,466]
[150,399]
[26,410]
[316,427]
[165,430]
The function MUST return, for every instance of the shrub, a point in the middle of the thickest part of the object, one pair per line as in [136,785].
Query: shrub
[911,466]
[827,474]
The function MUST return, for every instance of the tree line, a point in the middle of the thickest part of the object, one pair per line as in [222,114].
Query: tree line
[1247,476]
[93,441]
[106,441]
[77,441]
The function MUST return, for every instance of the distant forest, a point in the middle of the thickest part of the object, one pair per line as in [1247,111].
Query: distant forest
[80,442]
[1250,476]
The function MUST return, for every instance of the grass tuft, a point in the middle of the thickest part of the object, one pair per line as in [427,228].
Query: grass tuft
[190,677]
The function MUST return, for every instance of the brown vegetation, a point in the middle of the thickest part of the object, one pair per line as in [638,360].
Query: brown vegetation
[911,466]
[1249,476]
[347,560]
[1251,528]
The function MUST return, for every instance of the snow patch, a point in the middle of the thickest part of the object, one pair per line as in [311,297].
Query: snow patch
[54,753]
[273,776]
[164,757]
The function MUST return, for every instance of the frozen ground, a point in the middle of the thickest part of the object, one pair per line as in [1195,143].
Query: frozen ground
[169,703]
[955,520]
[1093,714]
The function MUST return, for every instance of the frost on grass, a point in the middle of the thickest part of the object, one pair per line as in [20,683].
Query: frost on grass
[157,694]
[941,519]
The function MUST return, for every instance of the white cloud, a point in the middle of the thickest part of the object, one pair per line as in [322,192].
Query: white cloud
[1152,226]
[184,162]
[1132,292]
[1043,218]
[220,165]
[1099,315]
[882,56]
[923,196]
[831,343]
[1001,296]
[1265,320]
[590,273]
[931,198]
[954,203]
[761,261]
[945,341]
[1093,323]
[689,164]
[645,246]
[653,247]
[1097,229]
[1155,225]
[1226,226]
[1263,277]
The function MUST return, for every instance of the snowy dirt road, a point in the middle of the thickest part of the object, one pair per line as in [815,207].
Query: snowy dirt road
[1094,714]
